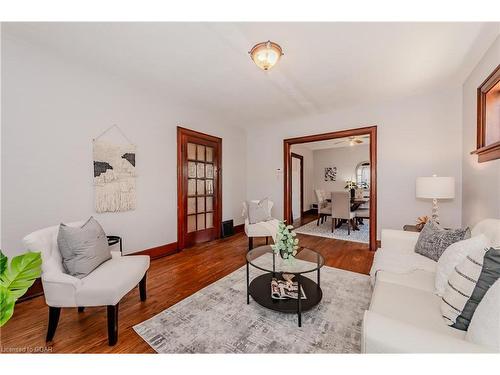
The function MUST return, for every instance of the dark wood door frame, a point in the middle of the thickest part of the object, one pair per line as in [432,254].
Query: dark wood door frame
[182,198]
[301,158]
[287,162]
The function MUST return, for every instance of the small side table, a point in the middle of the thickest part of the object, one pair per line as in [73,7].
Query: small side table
[410,228]
[113,240]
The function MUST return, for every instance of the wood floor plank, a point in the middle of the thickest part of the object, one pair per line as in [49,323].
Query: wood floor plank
[170,280]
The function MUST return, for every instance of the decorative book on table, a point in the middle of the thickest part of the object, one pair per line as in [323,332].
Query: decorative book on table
[285,289]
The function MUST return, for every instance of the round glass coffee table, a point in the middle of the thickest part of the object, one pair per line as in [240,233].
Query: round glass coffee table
[306,261]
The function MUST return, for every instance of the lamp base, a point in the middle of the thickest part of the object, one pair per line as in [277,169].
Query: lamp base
[435,211]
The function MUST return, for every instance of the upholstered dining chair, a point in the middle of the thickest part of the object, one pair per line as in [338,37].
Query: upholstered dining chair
[104,286]
[324,208]
[264,229]
[341,209]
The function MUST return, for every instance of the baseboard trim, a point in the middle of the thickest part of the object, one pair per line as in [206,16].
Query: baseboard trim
[35,290]
[240,228]
[310,211]
[159,251]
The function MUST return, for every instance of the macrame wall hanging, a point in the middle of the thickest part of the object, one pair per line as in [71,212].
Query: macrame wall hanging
[114,174]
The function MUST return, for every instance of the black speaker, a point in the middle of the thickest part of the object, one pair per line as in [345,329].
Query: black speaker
[227,228]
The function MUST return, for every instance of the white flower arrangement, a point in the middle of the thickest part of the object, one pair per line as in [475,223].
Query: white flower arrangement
[286,245]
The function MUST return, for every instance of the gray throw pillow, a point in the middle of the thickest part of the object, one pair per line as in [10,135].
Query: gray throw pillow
[258,211]
[433,240]
[83,249]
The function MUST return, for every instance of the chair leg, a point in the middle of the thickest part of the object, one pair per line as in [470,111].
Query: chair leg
[348,227]
[142,287]
[319,216]
[333,224]
[54,313]
[250,243]
[112,324]
[81,309]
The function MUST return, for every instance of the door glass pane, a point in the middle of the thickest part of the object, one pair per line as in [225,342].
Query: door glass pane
[191,223]
[210,171]
[201,205]
[201,170]
[201,221]
[191,147]
[210,204]
[191,169]
[210,154]
[191,206]
[210,220]
[201,152]
[191,186]
[210,187]
[201,187]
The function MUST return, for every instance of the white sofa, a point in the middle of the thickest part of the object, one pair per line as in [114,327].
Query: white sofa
[404,314]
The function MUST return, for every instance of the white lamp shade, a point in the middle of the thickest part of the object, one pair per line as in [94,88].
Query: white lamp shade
[435,187]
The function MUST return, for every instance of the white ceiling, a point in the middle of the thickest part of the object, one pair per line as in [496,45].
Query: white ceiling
[334,143]
[326,65]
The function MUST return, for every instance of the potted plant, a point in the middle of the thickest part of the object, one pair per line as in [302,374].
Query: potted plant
[351,186]
[15,279]
[286,244]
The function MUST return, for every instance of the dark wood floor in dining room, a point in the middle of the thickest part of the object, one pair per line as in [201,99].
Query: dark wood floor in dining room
[170,279]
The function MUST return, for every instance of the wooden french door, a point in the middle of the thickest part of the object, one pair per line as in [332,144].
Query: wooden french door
[199,187]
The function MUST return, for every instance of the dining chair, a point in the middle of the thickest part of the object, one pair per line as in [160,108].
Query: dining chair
[324,208]
[341,209]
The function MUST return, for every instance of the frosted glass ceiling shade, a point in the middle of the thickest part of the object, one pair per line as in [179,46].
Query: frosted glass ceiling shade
[266,54]
[435,187]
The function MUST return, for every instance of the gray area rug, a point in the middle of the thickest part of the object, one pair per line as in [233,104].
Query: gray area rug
[217,319]
[325,230]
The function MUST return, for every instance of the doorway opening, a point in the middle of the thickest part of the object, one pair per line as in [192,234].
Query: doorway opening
[335,185]
[297,187]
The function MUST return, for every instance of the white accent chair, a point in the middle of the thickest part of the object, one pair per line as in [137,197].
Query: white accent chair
[104,286]
[324,207]
[263,229]
[341,209]
[405,313]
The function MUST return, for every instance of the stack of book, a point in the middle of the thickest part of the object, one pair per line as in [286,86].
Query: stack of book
[286,289]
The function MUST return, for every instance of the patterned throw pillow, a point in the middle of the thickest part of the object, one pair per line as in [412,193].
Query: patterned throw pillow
[467,285]
[433,240]
[454,255]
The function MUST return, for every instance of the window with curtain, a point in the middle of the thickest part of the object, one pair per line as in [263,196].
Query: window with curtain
[363,174]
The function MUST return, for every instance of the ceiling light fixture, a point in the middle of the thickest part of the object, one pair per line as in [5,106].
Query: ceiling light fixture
[266,54]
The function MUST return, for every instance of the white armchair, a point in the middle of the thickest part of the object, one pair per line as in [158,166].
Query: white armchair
[263,229]
[104,286]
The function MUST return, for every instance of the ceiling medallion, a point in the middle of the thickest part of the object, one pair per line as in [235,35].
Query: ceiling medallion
[266,54]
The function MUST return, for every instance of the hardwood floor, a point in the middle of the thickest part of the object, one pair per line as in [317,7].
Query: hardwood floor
[170,279]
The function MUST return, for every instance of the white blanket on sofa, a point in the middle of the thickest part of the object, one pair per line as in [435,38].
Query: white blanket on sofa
[399,262]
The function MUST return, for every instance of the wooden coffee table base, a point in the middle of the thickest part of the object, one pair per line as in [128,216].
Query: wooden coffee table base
[260,290]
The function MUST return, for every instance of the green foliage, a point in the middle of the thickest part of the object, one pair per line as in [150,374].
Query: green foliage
[286,244]
[15,279]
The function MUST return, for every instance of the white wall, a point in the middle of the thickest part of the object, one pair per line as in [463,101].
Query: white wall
[481,181]
[417,136]
[52,108]
[346,159]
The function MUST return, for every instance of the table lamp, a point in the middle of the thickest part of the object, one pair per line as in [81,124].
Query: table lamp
[435,188]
